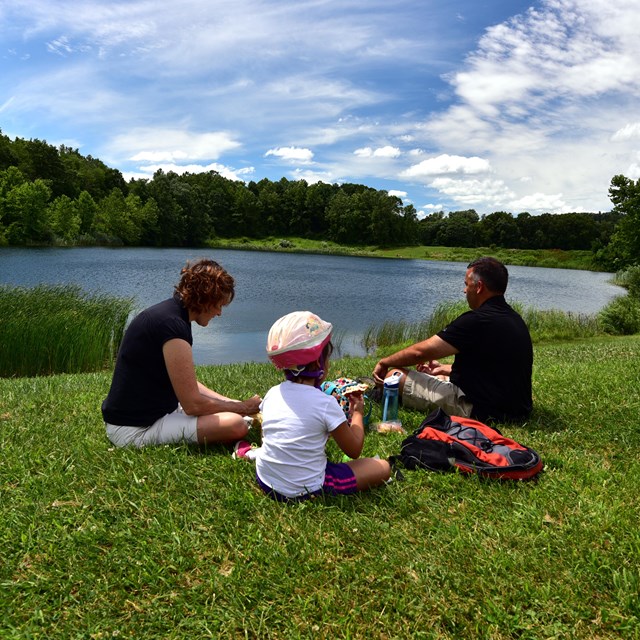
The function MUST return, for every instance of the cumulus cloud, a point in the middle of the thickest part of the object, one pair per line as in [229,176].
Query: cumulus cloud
[154,145]
[628,132]
[540,202]
[159,156]
[446,164]
[293,154]
[427,209]
[541,98]
[633,171]
[147,171]
[311,177]
[399,194]
[381,152]
[489,193]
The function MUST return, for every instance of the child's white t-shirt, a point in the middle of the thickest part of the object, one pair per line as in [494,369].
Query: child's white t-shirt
[296,422]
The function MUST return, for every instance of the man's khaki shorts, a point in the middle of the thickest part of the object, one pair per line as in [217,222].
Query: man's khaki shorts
[425,393]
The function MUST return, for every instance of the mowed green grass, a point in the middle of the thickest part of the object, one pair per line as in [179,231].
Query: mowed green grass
[177,542]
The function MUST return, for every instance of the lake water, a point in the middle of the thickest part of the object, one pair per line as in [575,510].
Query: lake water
[351,293]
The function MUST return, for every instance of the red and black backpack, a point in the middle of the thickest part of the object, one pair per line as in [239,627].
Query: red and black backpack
[446,443]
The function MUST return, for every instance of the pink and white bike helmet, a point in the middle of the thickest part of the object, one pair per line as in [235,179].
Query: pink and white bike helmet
[297,339]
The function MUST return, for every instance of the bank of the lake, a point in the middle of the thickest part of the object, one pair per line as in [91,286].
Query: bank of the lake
[352,293]
[547,258]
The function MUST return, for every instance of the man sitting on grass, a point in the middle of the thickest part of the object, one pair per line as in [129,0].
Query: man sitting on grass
[490,378]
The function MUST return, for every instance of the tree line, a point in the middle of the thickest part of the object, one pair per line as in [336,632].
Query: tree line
[55,195]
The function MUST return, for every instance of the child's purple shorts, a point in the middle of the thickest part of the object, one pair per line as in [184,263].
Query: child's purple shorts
[339,479]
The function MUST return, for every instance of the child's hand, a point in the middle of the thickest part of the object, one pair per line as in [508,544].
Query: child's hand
[356,402]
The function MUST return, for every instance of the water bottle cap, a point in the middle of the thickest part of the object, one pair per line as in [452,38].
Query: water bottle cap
[392,381]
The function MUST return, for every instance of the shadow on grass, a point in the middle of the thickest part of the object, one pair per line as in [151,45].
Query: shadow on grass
[546,420]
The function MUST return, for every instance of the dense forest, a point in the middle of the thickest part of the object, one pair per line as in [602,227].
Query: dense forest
[55,196]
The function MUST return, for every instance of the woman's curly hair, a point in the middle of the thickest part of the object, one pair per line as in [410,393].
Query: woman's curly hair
[204,283]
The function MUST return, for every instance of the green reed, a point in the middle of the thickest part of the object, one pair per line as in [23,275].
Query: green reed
[544,326]
[58,329]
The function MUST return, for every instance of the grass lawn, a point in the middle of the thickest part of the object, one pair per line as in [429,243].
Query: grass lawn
[177,542]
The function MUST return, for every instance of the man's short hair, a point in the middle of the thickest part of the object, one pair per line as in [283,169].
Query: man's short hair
[492,272]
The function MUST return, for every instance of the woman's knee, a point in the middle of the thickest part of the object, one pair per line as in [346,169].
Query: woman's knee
[222,427]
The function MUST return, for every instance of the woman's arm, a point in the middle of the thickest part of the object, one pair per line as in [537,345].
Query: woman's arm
[195,398]
[205,391]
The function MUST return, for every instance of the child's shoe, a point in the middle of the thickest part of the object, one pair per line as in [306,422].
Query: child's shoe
[242,450]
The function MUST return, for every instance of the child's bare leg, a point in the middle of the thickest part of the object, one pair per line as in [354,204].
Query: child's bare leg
[370,472]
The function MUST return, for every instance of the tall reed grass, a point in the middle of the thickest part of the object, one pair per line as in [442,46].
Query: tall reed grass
[58,329]
[544,326]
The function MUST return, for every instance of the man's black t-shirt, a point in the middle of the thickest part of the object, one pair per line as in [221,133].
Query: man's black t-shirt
[141,391]
[495,360]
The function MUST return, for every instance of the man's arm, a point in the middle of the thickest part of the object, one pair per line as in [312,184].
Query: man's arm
[178,358]
[418,353]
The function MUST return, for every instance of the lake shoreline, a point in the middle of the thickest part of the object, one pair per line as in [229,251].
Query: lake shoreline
[353,295]
[547,258]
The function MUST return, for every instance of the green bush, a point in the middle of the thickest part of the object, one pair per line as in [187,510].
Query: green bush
[633,281]
[621,316]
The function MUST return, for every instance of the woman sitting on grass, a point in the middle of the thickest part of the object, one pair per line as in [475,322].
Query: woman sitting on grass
[155,397]
[298,418]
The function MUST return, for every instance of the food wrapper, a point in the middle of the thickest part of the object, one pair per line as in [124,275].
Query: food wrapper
[388,427]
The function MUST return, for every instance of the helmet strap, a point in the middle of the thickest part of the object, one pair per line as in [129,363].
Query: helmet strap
[294,375]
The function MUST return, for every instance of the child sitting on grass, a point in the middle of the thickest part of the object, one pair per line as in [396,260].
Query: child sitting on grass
[298,419]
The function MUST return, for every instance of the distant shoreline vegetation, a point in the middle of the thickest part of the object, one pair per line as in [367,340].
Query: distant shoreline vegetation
[547,258]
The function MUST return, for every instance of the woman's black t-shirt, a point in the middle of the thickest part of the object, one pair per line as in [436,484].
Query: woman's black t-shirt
[141,391]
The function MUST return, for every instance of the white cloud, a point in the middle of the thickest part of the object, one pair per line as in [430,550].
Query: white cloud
[427,209]
[540,202]
[380,152]
[147,171]
[294,154]
[159,156]
[311,177]
[446,164]
[541,99]
[151,144]
[488,193]
[399,194]
[633,171]
[628,132]
[386,152]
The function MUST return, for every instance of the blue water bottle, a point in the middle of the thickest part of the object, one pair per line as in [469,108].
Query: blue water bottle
[390,393]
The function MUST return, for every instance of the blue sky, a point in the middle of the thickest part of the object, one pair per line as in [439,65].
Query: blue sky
[496,105]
